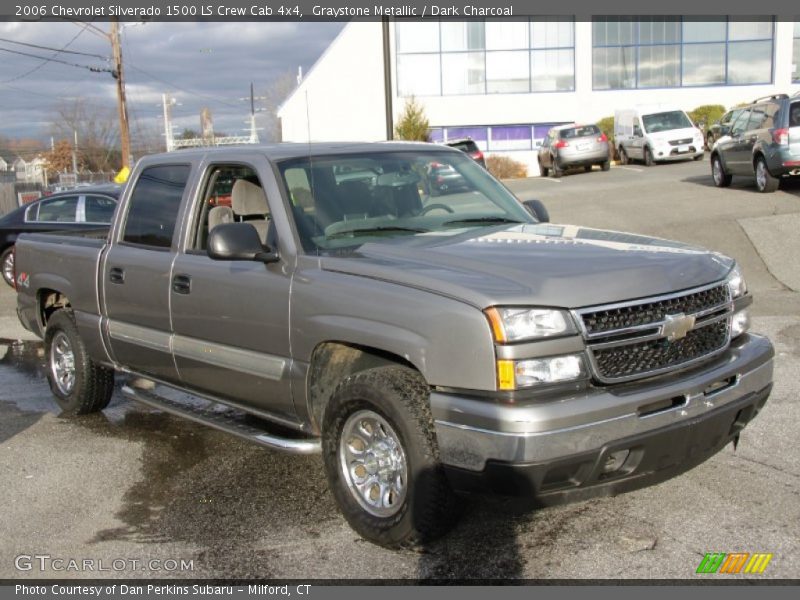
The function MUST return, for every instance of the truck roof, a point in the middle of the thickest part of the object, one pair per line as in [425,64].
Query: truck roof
[288,150]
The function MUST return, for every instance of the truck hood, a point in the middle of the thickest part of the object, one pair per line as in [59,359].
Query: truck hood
[534,264]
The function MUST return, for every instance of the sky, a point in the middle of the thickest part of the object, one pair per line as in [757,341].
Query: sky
[201,64]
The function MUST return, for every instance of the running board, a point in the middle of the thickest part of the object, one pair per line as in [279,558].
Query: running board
[228,421]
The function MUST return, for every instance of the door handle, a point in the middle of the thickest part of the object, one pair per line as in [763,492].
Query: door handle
[116,275]
[182,284]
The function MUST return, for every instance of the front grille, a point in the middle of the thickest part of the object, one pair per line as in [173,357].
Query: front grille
[682,142]
[627,341]
[656,355]
[600,321]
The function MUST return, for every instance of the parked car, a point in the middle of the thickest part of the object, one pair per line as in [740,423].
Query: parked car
[443,178]
[763,142]
[420,345]
[573,145]
[470,147]
[721,127]
[89,207]
[656,133]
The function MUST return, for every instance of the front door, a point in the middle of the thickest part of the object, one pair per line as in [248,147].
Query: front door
[231,319]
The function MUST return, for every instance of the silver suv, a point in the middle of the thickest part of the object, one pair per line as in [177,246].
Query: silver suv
[573,145]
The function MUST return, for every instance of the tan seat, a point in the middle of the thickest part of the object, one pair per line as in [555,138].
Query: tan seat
[249,203]
[219,215]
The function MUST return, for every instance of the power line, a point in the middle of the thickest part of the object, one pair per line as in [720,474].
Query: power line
[56,60]
[57,50]
[44,62]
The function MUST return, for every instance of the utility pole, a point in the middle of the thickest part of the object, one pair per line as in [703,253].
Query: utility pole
[168,101]
[75,154]
[122,106]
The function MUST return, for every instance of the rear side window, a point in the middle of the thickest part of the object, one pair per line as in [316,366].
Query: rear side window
[58,210]
[576,132]
[154,204]
[465,146]
[99,209]
[757,117]
[794,115]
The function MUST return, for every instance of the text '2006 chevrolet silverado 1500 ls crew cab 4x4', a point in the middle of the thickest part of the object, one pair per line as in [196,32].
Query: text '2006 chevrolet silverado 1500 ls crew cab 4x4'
[424,345]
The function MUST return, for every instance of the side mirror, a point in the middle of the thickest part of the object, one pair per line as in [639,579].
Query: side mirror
[537,209]
[238,241]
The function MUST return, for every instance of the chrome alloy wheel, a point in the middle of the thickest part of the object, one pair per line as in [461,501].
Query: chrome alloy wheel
[62,363]
[8,268]
[373,463]
[761,174]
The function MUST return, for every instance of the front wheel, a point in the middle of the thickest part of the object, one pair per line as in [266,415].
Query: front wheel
[721,178]
[648,157]
[7,265]
[382,458]
[623,156]
[765,182]
[80,385]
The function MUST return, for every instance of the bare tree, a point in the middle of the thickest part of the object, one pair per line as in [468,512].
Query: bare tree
[96,129]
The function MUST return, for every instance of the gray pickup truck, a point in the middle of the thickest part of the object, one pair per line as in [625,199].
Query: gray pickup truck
[331,298]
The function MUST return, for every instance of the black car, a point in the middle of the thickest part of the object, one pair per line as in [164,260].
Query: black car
[470,147]
[722,127]
[81,208]
[763,142]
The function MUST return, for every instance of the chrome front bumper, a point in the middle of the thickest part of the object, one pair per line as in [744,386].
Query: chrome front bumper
[472,432]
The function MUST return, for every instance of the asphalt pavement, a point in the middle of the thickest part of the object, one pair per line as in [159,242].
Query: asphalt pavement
[136,485]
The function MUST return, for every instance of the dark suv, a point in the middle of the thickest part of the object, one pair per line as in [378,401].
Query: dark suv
[763,141]
[722,127]
[470,147]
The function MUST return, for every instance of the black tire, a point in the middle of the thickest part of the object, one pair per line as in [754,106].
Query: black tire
[718,174]
[648,157]
[92,384]
[588,168]
[710,140]
[543,171]
[606,166]
[623,156]
[699,157]
[399,396]
[7,265]
[765,182]
[557,171]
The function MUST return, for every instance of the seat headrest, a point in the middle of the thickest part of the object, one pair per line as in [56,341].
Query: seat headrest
[248,199]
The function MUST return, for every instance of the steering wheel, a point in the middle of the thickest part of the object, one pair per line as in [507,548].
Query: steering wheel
[431,207]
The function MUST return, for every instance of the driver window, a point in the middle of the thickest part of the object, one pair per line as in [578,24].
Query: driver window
[637,131]
[232,194]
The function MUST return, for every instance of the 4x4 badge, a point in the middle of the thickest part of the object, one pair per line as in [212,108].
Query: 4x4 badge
[676,327]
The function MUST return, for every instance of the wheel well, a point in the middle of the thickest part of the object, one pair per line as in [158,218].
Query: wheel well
[331,362]
[49,302]
[756,156]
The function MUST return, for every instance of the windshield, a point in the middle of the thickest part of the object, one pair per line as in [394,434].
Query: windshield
[674,119]
[346,200]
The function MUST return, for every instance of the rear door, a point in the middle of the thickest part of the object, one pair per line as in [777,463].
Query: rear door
[136,271]
[758,126]
[734,148]
[794,128]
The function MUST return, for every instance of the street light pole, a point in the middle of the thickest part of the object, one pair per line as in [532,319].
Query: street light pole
[122,106]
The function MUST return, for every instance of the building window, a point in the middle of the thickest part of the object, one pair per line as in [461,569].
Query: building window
[665,52]
[477,57]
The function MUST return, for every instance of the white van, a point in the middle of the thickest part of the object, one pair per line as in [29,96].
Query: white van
[655,133]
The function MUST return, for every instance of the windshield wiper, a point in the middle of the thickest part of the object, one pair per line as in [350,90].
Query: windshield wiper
[484,220]
[369,230]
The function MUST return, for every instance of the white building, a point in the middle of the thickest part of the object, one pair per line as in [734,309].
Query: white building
[505,83]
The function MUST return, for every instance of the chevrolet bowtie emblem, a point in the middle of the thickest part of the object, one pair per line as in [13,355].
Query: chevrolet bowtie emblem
[676,327]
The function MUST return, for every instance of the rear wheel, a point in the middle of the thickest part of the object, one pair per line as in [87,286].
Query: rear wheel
[80,385]
[587,168]
[648,157]
[7,265]
[765,182]
[543,171]
[699,157]
[606,165]
[721,178]
[557,171]
[382,459]
[623,156]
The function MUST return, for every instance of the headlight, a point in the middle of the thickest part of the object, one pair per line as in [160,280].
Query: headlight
[736,283]
[517,324]
[512,375]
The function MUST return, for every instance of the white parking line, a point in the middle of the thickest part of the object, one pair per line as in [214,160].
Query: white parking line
[549,179]
[628,168]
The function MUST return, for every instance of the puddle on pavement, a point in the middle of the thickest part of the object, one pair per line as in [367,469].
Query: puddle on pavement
[24,357]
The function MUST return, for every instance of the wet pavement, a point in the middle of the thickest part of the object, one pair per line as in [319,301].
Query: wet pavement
[137,484]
